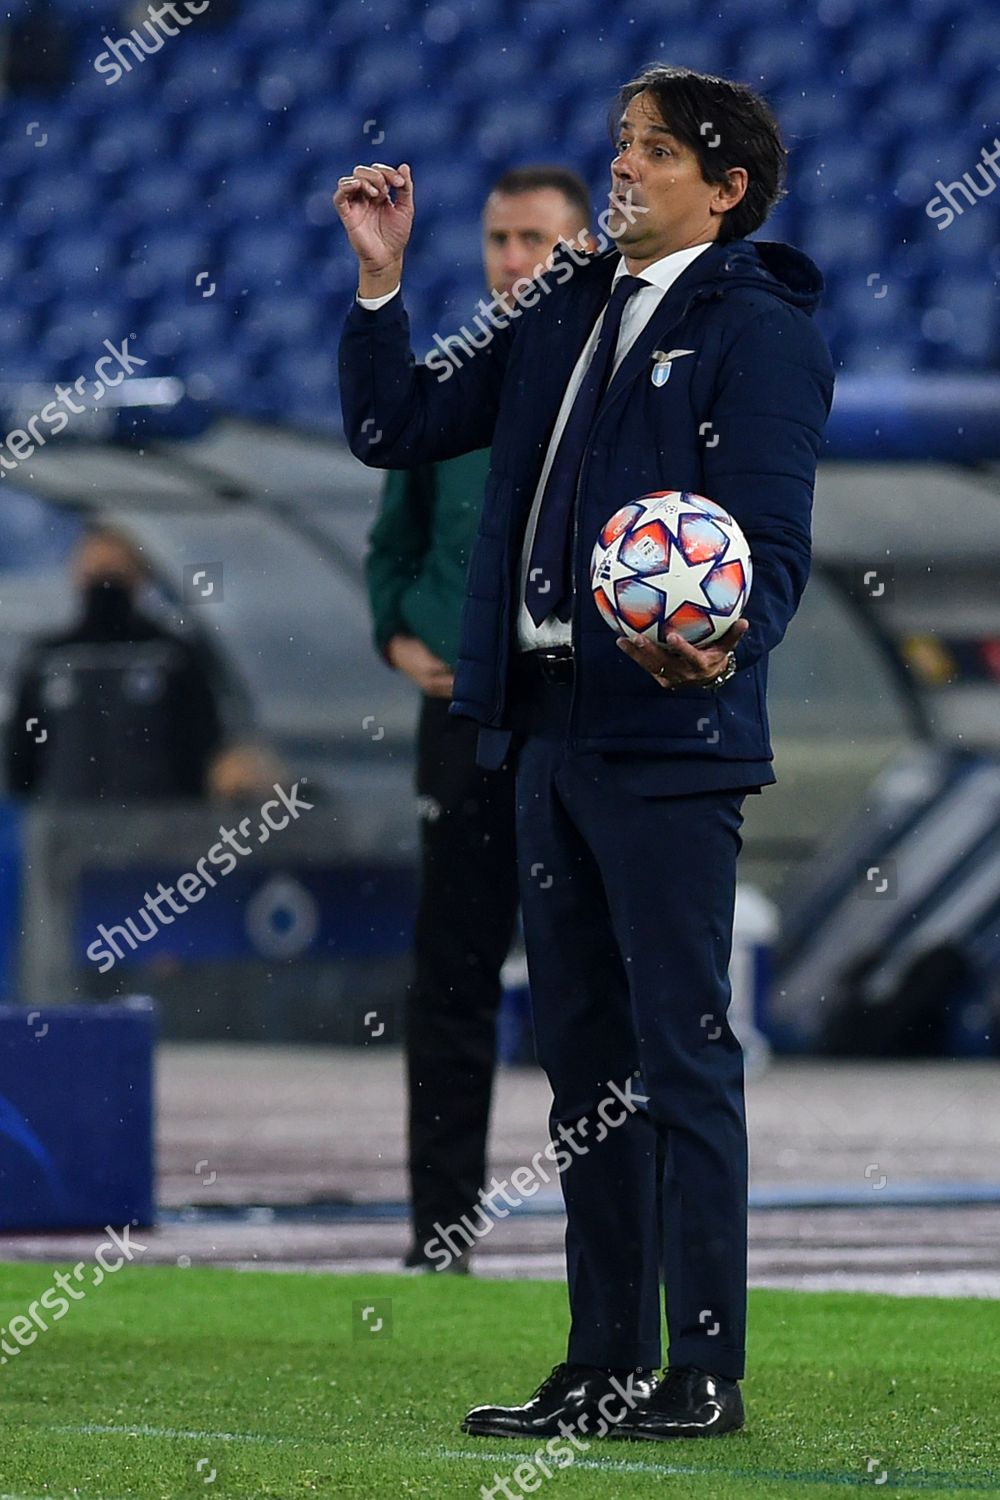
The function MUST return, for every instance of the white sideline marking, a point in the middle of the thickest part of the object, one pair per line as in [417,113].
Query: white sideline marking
[608,1465]
[505,1459]
[939,1483]
[98,1429]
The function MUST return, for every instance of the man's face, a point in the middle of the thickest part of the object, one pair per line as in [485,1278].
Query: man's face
[658,174]
[107,559]
[520,232]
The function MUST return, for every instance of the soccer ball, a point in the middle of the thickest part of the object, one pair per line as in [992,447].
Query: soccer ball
[671,561]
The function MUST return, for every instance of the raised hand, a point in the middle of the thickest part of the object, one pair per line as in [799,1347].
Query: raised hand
[375,205]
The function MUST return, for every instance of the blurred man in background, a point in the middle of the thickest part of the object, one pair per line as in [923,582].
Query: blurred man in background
[417,567]
[117,709]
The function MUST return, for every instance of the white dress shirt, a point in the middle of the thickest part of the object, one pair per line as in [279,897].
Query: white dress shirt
[640,307]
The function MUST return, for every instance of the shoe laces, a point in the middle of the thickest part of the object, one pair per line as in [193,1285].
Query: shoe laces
[680,1377]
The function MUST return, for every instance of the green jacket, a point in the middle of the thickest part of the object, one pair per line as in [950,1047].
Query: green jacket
[418,553]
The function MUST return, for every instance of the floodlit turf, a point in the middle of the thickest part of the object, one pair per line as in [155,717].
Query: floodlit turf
[168,1383]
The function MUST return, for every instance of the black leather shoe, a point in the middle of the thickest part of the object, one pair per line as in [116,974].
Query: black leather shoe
[569,1394]
[416,1260]
[687,1403]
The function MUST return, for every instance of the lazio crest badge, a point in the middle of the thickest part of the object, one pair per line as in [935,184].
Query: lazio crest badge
[663,363]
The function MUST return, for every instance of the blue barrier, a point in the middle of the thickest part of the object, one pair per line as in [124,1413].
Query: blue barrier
[76,1116]
[937,418]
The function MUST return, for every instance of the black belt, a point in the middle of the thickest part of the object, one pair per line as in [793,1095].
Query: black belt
[553,664]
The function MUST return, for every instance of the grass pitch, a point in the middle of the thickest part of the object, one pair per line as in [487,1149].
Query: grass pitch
[167,1383]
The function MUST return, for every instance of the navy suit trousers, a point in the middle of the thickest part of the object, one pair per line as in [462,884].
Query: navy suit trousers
[628,912]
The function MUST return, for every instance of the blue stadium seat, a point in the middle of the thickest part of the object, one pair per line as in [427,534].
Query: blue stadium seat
[13,253]
[366,24]
[129,142]
[807,111]
[388,72]
[256,257]
[886,354]
[174,253]
[838,168]
[55,200]
[219,373]
[770,55]
[311,72]
[224,135]
[255,193]
[75,334]
[971,49]
[326,126]
[17,330]
[958,316]
[501,132]
[283,318]
[205,71]
[161,189]
[307,379]
[222,154]
[848,235]
[883,50]
[415,127]
[970,237]
[878,308]
[587,57]
[184,325]
[262,20]
[81,260]
[688,45]
[903,109]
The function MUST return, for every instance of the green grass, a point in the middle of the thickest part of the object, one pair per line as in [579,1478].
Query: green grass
[263,1379]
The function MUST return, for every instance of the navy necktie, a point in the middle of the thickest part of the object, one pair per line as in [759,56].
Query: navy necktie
[550,582]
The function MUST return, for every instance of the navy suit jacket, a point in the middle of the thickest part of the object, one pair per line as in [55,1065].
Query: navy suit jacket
[740,420]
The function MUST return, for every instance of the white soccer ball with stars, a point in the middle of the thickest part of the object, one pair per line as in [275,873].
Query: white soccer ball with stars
[668,561]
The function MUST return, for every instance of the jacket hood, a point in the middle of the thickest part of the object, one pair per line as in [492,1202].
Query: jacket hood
[767,265]
[781,269]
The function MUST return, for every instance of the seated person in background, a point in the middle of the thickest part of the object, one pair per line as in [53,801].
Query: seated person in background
[246,773]
[116,709]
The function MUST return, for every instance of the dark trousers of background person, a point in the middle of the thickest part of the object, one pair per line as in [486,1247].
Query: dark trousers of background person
[627,900]
[465,922]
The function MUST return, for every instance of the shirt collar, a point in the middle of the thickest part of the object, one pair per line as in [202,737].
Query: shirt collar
[664,272]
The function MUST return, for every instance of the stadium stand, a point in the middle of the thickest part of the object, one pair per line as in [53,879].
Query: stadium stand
[219,154]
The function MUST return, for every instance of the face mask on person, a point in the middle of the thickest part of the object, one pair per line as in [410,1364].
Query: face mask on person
[108,606]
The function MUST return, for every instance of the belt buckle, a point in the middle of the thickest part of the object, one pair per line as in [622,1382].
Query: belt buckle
[556,664]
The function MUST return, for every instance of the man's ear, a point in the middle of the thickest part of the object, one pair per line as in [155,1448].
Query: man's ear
[732,191]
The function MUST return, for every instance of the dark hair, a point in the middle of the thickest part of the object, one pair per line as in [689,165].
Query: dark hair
[529,179]
[726,125]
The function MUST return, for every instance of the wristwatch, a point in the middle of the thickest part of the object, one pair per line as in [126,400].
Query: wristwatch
[729,670]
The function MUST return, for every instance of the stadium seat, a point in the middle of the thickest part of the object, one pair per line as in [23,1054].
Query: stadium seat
[249,193]
[957,315]
[256,256]
[222,155]
[768,55]
[838,169]
[971,49]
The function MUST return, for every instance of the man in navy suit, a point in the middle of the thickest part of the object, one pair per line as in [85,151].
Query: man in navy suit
[633,759]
